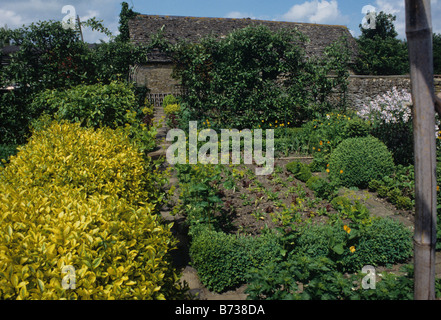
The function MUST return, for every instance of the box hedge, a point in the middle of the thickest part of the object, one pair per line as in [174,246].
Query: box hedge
[357,161]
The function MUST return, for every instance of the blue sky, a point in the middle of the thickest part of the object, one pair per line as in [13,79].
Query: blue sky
[15,13]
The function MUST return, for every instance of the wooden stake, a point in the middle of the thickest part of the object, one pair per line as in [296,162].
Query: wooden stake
[419,36]
[80,28]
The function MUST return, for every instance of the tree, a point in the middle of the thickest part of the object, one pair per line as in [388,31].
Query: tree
[53,57]
[255,76]
[380,52]
[125,15]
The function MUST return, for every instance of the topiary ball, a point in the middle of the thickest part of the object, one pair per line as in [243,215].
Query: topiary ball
[357,161]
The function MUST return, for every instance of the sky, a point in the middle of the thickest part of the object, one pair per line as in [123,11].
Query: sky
[16,13]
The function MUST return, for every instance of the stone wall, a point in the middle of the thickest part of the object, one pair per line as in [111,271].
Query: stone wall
[157,77]
[363,89]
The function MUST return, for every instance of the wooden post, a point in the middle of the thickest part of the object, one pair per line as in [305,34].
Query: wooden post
[419,35]
[80,28]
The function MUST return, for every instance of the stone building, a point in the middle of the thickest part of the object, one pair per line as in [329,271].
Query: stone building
[156,75]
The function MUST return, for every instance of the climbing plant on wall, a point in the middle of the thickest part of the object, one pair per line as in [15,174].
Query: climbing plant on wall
[254,75]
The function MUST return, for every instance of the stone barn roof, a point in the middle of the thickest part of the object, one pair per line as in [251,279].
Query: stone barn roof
[192,29]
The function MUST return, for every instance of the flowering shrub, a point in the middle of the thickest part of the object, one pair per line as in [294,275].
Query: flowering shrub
[392,107]
[390,116]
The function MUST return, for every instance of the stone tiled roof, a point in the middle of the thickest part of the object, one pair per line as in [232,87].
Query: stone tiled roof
[192,29]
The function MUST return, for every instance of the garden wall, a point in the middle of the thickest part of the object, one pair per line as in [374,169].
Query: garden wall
[365,88]
[157,77]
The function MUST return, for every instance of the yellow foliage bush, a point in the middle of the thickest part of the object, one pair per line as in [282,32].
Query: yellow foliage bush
[95,161]
[71,197]
[172,108]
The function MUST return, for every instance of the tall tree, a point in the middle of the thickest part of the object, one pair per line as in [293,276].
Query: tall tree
[125,15]
[380,51]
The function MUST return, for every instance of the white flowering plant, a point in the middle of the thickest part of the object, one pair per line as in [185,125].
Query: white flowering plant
[392,107]
[390,117]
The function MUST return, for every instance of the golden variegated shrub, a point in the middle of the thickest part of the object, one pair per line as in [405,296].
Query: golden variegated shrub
[63,203]
[100,161]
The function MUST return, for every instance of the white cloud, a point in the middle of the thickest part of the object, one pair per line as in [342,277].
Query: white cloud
[240,15]
[10,18]
[397,8]
[315,11]
[24,12]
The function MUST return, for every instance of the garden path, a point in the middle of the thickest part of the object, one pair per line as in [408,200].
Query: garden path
[181,256]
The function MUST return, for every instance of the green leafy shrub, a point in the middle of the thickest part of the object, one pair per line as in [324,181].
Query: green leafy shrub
[7,150]
[357,161]
[80,197]
[326,132]
[382,191]
[224,260]
[323,134]
[404,203]
[91,105]
[352,209]
[393,195]
[318,240]
[300,170]
[321,281]
[168,100]
[280,281]
[384,242]
[236,81]
[322,188]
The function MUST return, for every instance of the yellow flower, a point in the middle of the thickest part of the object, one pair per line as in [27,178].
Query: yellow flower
[327,170]
[352,249]
[327,166]
[341,171]
[318,150]
[289,123]
[329,142]
[313,148]
[321,143]
[347,229]
[276,121]
[437,188]
[263,121]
